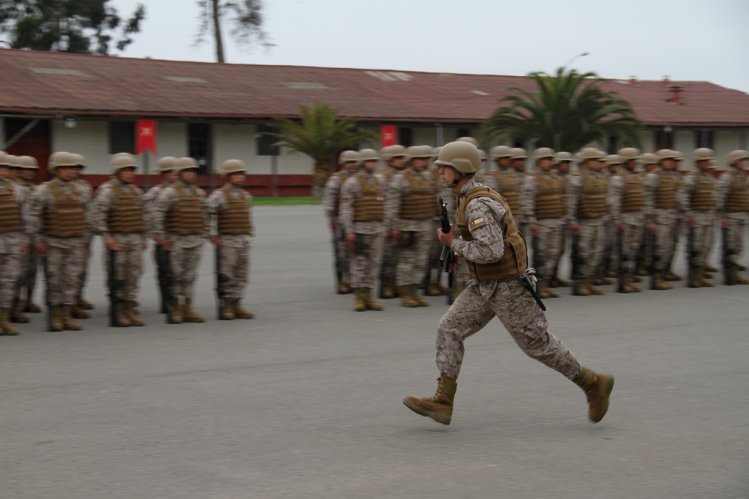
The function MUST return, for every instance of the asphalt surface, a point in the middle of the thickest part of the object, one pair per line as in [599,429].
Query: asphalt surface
[305,400]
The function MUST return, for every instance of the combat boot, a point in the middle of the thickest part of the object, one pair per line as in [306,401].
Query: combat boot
[628,280]
[5,326]
[55,318]
[558,282]
[659,283]
[360,302]
[121,318]
[133,316]
[344,288]
[388,291]
[693,278]
[83,304]
[79,312]
[369,302]
[597,388]
[416,297]
[189,314]
[175,312]
[67,319]
[581,288]
[544,291]
[703,279]
[239,312]
[16,313]
[406,299]
[738,278]
[600,280]
[434,288]
[670,276]
[440,406]
[227,310]
[709,268]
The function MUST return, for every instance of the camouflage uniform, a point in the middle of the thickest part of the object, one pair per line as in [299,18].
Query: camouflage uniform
[626,206]
[331,204]
[81,305]
[732,203]
[27,280]
[696,199]
[14,236]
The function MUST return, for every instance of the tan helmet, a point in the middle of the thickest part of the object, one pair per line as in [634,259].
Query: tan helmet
[80,161]
[62,158]
[233,166]
[678,156]
[498,152]
[186,163]
[470,140]
[703,154]
[665,154]
[518,153]
[389,152]
[589,153]
[648,158]
[735,156]
[348,156]
[28,162]
[123,160]
[166,164]
[562,156]
[543,152]
[418,152]
[628,153]
[612,159]
[14,161]
[367,155]
[436,151]
[461,155]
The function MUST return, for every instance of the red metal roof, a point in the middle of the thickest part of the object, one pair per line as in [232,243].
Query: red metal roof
[46,83]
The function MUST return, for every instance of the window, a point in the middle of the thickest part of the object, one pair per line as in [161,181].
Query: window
[199,145]
[406,136]
[266,141]
[664,138]
[703,138]
[121,137]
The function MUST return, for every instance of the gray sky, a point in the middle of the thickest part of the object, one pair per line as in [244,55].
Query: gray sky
[685,39]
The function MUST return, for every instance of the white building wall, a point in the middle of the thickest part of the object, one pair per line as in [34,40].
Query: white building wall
[89,138]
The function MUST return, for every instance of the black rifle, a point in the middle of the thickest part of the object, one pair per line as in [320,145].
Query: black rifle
[47,291]
[166,281]
[220,284]
[526,280]
[338,235]
[728,252]
[692,255]
[161,276]
[446,257]
[621,268]
[575,261]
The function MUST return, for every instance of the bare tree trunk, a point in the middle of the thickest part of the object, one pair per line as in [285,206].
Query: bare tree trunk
[216,13]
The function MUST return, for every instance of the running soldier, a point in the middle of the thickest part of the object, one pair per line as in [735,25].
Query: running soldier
[732,203]
[181,224]
[362,215]
[395,161]
[492,244]
[231,229]
[119,218]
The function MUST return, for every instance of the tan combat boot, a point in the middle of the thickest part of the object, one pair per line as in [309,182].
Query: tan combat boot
[133,316]
[709,268]
[67,319]
[360,302]
[594,290]
[670,276]
[738,278]
[416,297]
[5,326]
[597,387]
[83,304]
[189,314]
[388,289]
[703,279]
[600,280]
[440,406]
[239,312]
[544,291]
[344,288]
[369,302]
[55,318]
[121,318]
[558,282]
[227,310]
[16,313]
[175,312]
[435,287]
[660,283]
[78,312]
[406,299]
[628,280]
[582,288]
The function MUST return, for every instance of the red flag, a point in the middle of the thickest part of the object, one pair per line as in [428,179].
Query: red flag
[145,136]
[388,135]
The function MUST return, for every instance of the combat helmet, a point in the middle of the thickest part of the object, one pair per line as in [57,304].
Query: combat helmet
[367,155]
[233,166]
[648,158]
[562,156]
[460,155]
[703,154]
[628,153]
[589,153]
[470,140]
[348,156]
[123,160]
[389,152]
[518,153]
[735,156]
[543,152]
[663,154]
[28,162]
[612,159]
[498,152]
[418,152]
[166,164]
[186,163]
[61,158]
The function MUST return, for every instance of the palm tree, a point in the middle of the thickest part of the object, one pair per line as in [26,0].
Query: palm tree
[321,135]
[565,112]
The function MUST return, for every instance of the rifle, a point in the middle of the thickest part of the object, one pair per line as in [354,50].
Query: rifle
[692,255]
[337,265]
[220,282]
[446,256]
[47,292]
[621,264]
[166,281]
[728,252]
[575,261]
[529,285]
[160,274]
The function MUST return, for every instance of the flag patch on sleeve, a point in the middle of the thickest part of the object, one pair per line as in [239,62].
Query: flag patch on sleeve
[475,224]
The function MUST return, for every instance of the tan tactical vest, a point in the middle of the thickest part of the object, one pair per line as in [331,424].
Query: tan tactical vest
[549,196]
[665,194]
[737,199]
[508,185]
[592,202]
[633,197]
[126,213]
[702,198]
[514,261]
[235,219]
[67,217]
[10,210]
[421,200]
[186,217]
[369,205]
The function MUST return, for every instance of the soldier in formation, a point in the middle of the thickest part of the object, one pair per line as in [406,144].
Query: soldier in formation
[81,305]
[732,205]
[394,157]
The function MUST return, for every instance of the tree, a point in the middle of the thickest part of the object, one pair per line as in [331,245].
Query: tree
[564,112]
[246,17]
[321,135]
[88,26]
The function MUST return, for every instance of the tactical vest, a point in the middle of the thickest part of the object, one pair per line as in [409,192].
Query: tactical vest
[235,219]
[369,205]
[10,210]
[186,218]
[126,214]
[508,185]
[421,200]
[549,196]
[592,202]
[633,197]
[665,194]
[67,217]
[514,260]
[702,198]
[737,199]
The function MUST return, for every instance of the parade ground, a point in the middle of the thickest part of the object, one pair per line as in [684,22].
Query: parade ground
[304,401]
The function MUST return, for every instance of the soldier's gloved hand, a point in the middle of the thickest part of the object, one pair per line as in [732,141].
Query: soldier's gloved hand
[725,223]
[165,243]
[215,240]
[652,228]
[535,229]
[350,240]
[395,234]
[112,244]
[41,248]
[22,248]
[446,239]
[575,228]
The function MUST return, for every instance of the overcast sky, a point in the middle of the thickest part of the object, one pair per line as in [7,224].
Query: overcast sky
[685,39]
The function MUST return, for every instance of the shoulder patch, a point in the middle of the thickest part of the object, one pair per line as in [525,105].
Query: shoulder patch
[475,224]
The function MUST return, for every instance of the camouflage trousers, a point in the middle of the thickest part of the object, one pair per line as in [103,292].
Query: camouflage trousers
[64,267]
[413,260]
[665,238]
[128,266]
[699,238]
[435,249]
[184,261]
[341,255]
[390,255]
[591,244]
[366,259]
[83,272]
[548,246]
[735,233]
[10,266]
[631,236]
[27,276]
[234,264]
[509,301]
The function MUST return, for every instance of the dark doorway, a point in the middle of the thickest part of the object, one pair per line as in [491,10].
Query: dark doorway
[36,141]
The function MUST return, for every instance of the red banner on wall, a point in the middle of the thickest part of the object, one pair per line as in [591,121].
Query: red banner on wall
[145,136]
[388,135]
